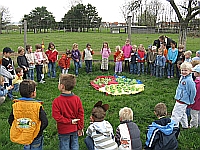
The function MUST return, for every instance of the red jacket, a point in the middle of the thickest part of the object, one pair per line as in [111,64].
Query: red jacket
[65,108]
[52,55]
[118,56]
[196,105]
[64,61]
[141,54]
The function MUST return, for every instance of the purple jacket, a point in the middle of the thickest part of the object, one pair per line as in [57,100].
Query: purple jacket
[127,50]
[76,54]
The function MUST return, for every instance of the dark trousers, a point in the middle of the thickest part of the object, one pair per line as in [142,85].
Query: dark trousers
[39,72]
[88,64]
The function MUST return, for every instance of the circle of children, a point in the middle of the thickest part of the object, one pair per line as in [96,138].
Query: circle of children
[27,125]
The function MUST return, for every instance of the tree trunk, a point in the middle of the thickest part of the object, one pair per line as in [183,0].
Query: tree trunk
[183,34]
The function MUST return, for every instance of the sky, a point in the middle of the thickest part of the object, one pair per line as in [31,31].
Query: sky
[109,10]
[106,9]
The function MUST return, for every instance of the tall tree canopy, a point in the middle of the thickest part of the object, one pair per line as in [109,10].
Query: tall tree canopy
[81,17]
[39,19]
[191,9]
[4,17]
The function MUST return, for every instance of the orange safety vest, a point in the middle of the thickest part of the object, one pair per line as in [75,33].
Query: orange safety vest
[26,124]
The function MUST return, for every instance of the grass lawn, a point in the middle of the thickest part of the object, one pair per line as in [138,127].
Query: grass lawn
[142,104]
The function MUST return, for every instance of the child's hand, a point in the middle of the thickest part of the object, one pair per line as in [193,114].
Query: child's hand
[10,87]
[91,119]
[74,121]
[80,132]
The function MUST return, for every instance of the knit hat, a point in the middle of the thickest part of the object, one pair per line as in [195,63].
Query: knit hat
[196,68]
[154,48]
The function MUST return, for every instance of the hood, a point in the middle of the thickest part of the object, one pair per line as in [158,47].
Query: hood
[166,129]
[103,127]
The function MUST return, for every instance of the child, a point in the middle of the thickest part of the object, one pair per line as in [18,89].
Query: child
[31,61]
[3,91]
[22,61]
[180,59]
[105,53]
[197,57]
[52,55]
[118,59]
[18,79]
[188,55]
[127,48]
[172,56]
[27,119]
[195,108]
[152,57]
[164,49]
[100,132]
[87,56]
[141,59]
[160,63]
[162,134]
[76,56]
[127,133]
[133,60]
[185,94]
[8,63]
[147,58]
[68,112]
[64,62]
[39,58]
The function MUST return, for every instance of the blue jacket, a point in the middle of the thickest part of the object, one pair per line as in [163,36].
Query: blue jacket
[160,61]
[186,90]
[3,91]
[162,135]
[172,55]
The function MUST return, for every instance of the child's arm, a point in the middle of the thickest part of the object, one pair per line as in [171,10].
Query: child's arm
[11,118]
[117,137]
[80,116]
[191,90]
[175,57]
[43,118]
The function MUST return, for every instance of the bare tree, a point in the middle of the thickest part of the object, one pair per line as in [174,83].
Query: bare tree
[4,17]
[191,9]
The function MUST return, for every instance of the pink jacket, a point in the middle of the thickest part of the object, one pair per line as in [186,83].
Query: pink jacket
[196,105]
[105,52]
[127,50]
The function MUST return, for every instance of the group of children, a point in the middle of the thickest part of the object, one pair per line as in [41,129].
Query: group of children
[68,112]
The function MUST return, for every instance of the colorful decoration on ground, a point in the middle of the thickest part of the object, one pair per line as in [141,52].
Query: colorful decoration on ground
[117,85]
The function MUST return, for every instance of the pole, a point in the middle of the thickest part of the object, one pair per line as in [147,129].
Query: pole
[25,33]
[129,28]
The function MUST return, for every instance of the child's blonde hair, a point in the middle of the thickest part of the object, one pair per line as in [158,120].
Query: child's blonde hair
[180,46]
[186,65]
[160,110]
[1,80]
[195,62]
[160,50]
[20,48]
[126,114]
[75,45]
[117,47]
[134,46]
[188,53]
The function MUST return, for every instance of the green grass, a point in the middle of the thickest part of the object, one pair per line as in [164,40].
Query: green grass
[142,104]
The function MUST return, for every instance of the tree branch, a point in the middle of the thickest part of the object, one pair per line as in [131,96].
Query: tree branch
[180,18]
[193,15]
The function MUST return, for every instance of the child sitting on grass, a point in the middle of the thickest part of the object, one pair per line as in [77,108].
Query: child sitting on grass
[18,79]
[127,133]
[100,132]
[3,91]
[27,119]
[162,134]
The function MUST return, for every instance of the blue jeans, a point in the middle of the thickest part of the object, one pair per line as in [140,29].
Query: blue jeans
[77,65]
[52,68]
[39,72]
[152,69]
[133,68]
[140,67]
[16,87]
[9,95]
[159,71]
[31,74]
[68,141]
[89,143]
[170,70]
[37,144]
[88,64]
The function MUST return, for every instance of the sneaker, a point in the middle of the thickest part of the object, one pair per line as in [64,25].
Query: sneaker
[41,81]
